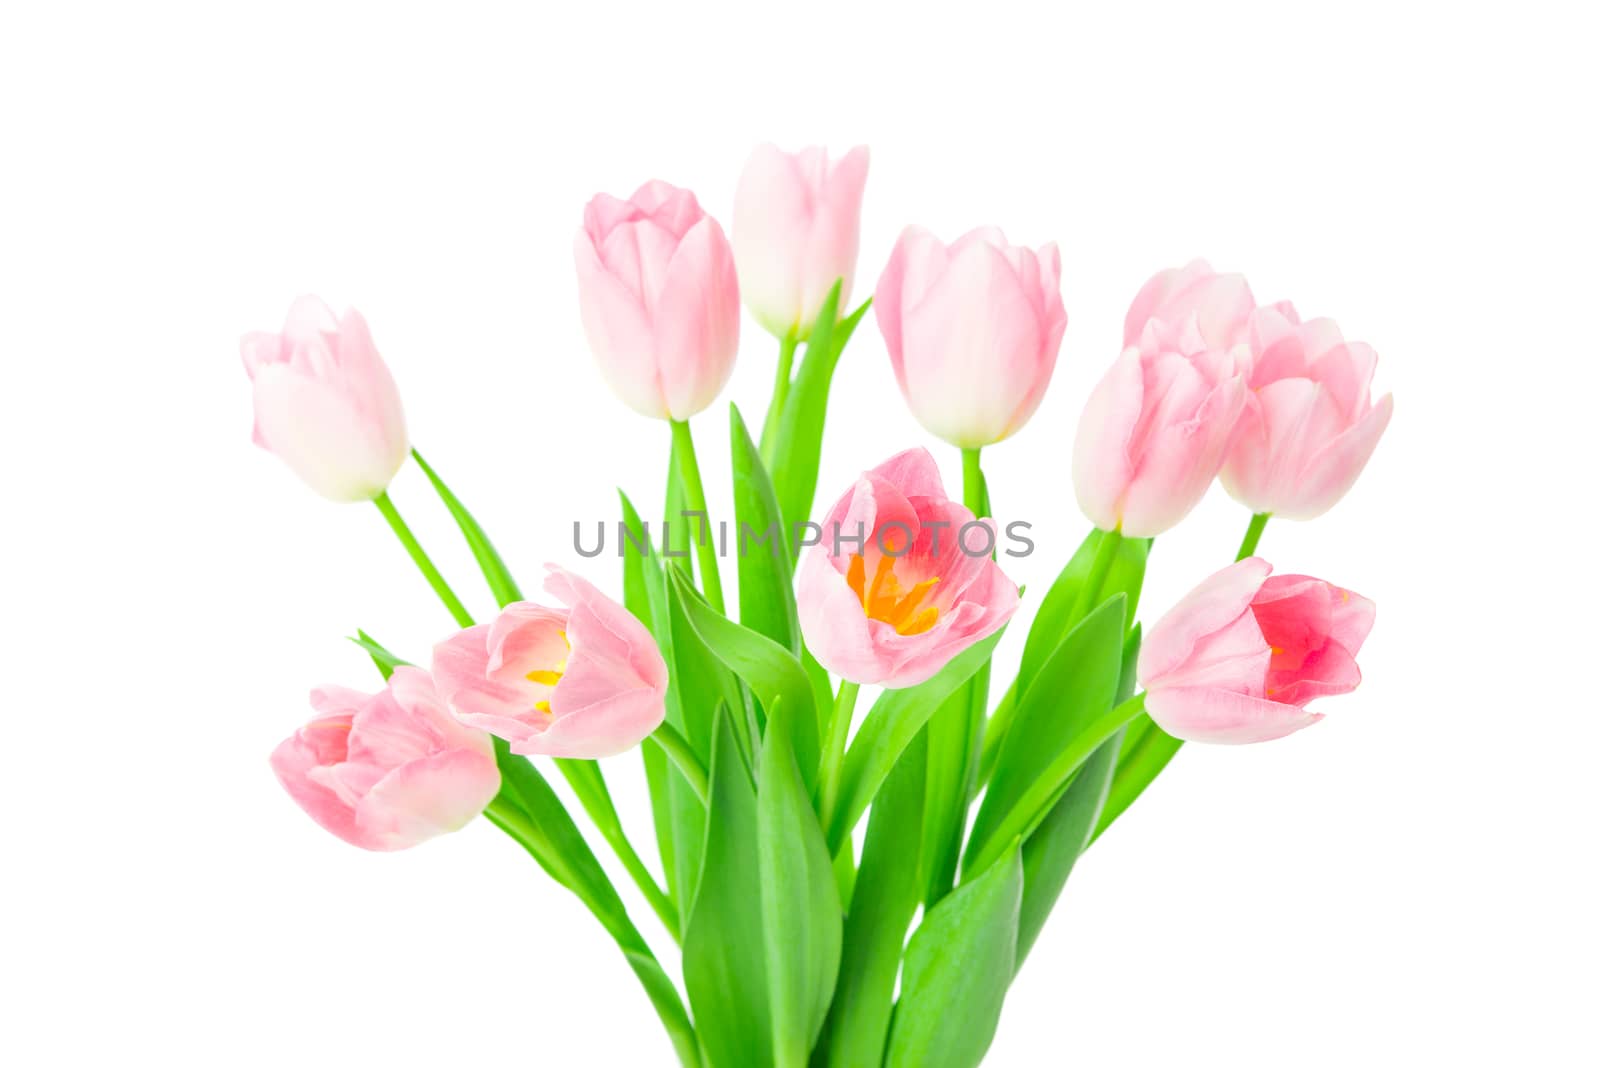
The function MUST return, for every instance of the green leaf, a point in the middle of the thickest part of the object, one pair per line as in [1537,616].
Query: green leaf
[887,893]
[1053,848]
[733,939]
[799,449]
[1054,622]
[772,672]
[766,577]
[954,735]
[531,812]
[1075,687]
[803,924]
[383,658]
[896,718]
[636,598]
[1152,750]
[501,584]
[957,969]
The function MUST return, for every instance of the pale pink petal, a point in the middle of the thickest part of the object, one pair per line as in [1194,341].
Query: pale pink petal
[1223,718]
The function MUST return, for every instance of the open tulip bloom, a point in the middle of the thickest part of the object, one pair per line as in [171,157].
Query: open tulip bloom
[795,840]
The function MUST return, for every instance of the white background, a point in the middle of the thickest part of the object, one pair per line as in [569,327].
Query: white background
[1410,882]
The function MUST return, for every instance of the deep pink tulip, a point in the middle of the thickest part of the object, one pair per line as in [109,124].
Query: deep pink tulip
[1311,426]
[581,681]
[1156,430]
[973,331]
[902,579]
[1218,305]
[796,230]
[659,299]
[325,402]
[387,770]
[1238,659]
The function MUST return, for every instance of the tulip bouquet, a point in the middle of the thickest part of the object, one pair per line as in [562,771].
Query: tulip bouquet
[795,841]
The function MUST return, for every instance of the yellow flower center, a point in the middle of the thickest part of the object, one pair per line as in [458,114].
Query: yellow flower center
[885,601]
[549,677]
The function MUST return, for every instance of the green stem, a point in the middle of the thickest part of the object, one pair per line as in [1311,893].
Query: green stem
[972,489]
[773,423]
[1039,798]
[695,496]
[678,750]
[844,707]
[462,617]
[1252,536]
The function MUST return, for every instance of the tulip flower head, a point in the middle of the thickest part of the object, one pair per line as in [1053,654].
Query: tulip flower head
[902,579]
[1156,430]
[585,680]
[659,299]
[325,403]
[796,231]
[388,770]
[1311,425]
[1240,657]
[1217,307]
[973,330]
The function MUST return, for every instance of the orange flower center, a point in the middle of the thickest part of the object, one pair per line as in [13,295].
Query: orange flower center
[550,676]
[885,601]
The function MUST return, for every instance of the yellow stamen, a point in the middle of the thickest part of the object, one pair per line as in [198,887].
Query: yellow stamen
[550,676]
[886,602]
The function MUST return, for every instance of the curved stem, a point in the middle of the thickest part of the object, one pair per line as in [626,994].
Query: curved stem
[695,496]
[844,707]
[1252,536]
[773,423]
[462,617]
[678,750]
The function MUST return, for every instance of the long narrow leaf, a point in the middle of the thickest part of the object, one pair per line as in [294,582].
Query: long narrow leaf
[896,718]
[886,895]
[1075,687]
[495,572]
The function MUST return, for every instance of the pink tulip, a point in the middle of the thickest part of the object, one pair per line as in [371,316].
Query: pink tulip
[1238,659]
[1311,426]
[1219,305]
[796,230]
[325,402]
[582,681]
[1156,430]
[918,586]
[659,299]
[972,330]
[387,770]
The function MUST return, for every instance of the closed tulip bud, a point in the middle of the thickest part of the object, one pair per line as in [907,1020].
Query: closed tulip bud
[918,587]
[659,299]
[585,680]
[325,403]
[387,770]
[972,329]
[796,230]
[1240,657]
[1311,425]
[1218,306]
[1156,430]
